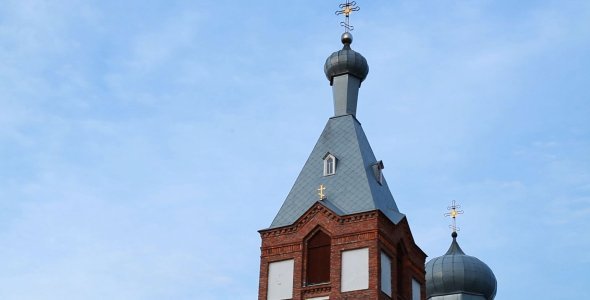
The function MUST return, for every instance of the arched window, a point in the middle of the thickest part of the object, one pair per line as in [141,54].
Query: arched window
[329,164]
[318,259]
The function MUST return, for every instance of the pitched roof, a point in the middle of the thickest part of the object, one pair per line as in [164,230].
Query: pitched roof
[353,189]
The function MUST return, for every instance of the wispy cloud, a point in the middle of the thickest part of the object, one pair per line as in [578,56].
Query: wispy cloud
[143,142]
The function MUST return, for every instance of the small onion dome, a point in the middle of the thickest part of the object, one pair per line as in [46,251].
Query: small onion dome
[456,273]
[346,61]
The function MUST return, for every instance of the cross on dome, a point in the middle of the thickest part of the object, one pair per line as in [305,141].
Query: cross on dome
[453,212]
[346,9]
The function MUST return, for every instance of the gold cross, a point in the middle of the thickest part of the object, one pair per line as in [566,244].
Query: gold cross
[346,9]
[321,192]
[453,214]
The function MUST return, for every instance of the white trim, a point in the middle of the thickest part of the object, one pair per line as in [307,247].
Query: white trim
[329,164]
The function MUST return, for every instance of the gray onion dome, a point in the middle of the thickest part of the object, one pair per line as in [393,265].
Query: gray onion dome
[455,273]
[346,61]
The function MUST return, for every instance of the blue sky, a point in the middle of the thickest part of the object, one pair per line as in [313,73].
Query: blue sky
[144,143]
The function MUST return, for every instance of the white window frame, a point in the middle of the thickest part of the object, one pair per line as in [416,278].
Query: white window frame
[327,170]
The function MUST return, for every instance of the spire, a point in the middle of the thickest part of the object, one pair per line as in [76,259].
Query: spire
[352,181]
[353,187]
[346,69]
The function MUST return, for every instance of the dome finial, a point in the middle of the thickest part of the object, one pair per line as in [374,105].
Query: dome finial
[346,38]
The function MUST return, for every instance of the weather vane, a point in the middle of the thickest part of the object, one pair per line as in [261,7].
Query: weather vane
[321,192]
[346,9]
[453,212]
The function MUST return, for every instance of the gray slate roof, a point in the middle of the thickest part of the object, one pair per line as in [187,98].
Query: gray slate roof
[353,189]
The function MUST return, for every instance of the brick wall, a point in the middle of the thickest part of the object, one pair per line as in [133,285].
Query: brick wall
[372,230]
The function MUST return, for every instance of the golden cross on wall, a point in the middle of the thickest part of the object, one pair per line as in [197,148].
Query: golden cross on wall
[346,9]
[453,212]
[321,192]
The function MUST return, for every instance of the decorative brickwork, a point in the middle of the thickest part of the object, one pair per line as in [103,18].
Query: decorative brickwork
[372,230]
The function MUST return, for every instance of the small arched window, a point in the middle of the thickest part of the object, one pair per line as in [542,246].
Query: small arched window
[329,165]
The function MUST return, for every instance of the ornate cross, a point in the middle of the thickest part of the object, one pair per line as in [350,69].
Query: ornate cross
[453,212]
[346,9]
[321,192]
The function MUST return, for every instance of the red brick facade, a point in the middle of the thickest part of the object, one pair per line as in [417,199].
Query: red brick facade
[372,230]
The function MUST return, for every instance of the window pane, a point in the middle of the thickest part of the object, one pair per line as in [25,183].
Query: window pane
[415,289]
[329,165]
[355,270]
[386,274]
[280,280]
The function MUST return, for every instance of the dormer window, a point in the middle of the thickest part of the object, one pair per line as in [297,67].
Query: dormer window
[378,171]
[329,165]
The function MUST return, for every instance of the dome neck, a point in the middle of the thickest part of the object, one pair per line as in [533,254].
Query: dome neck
[345,86]
[345,92]
[455,249]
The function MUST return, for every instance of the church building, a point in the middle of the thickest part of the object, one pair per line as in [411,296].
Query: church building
[339,233]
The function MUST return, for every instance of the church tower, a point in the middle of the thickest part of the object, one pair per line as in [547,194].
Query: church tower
[339,233]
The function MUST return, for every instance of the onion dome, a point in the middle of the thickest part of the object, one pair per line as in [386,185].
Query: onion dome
[458,273]
[346,61]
